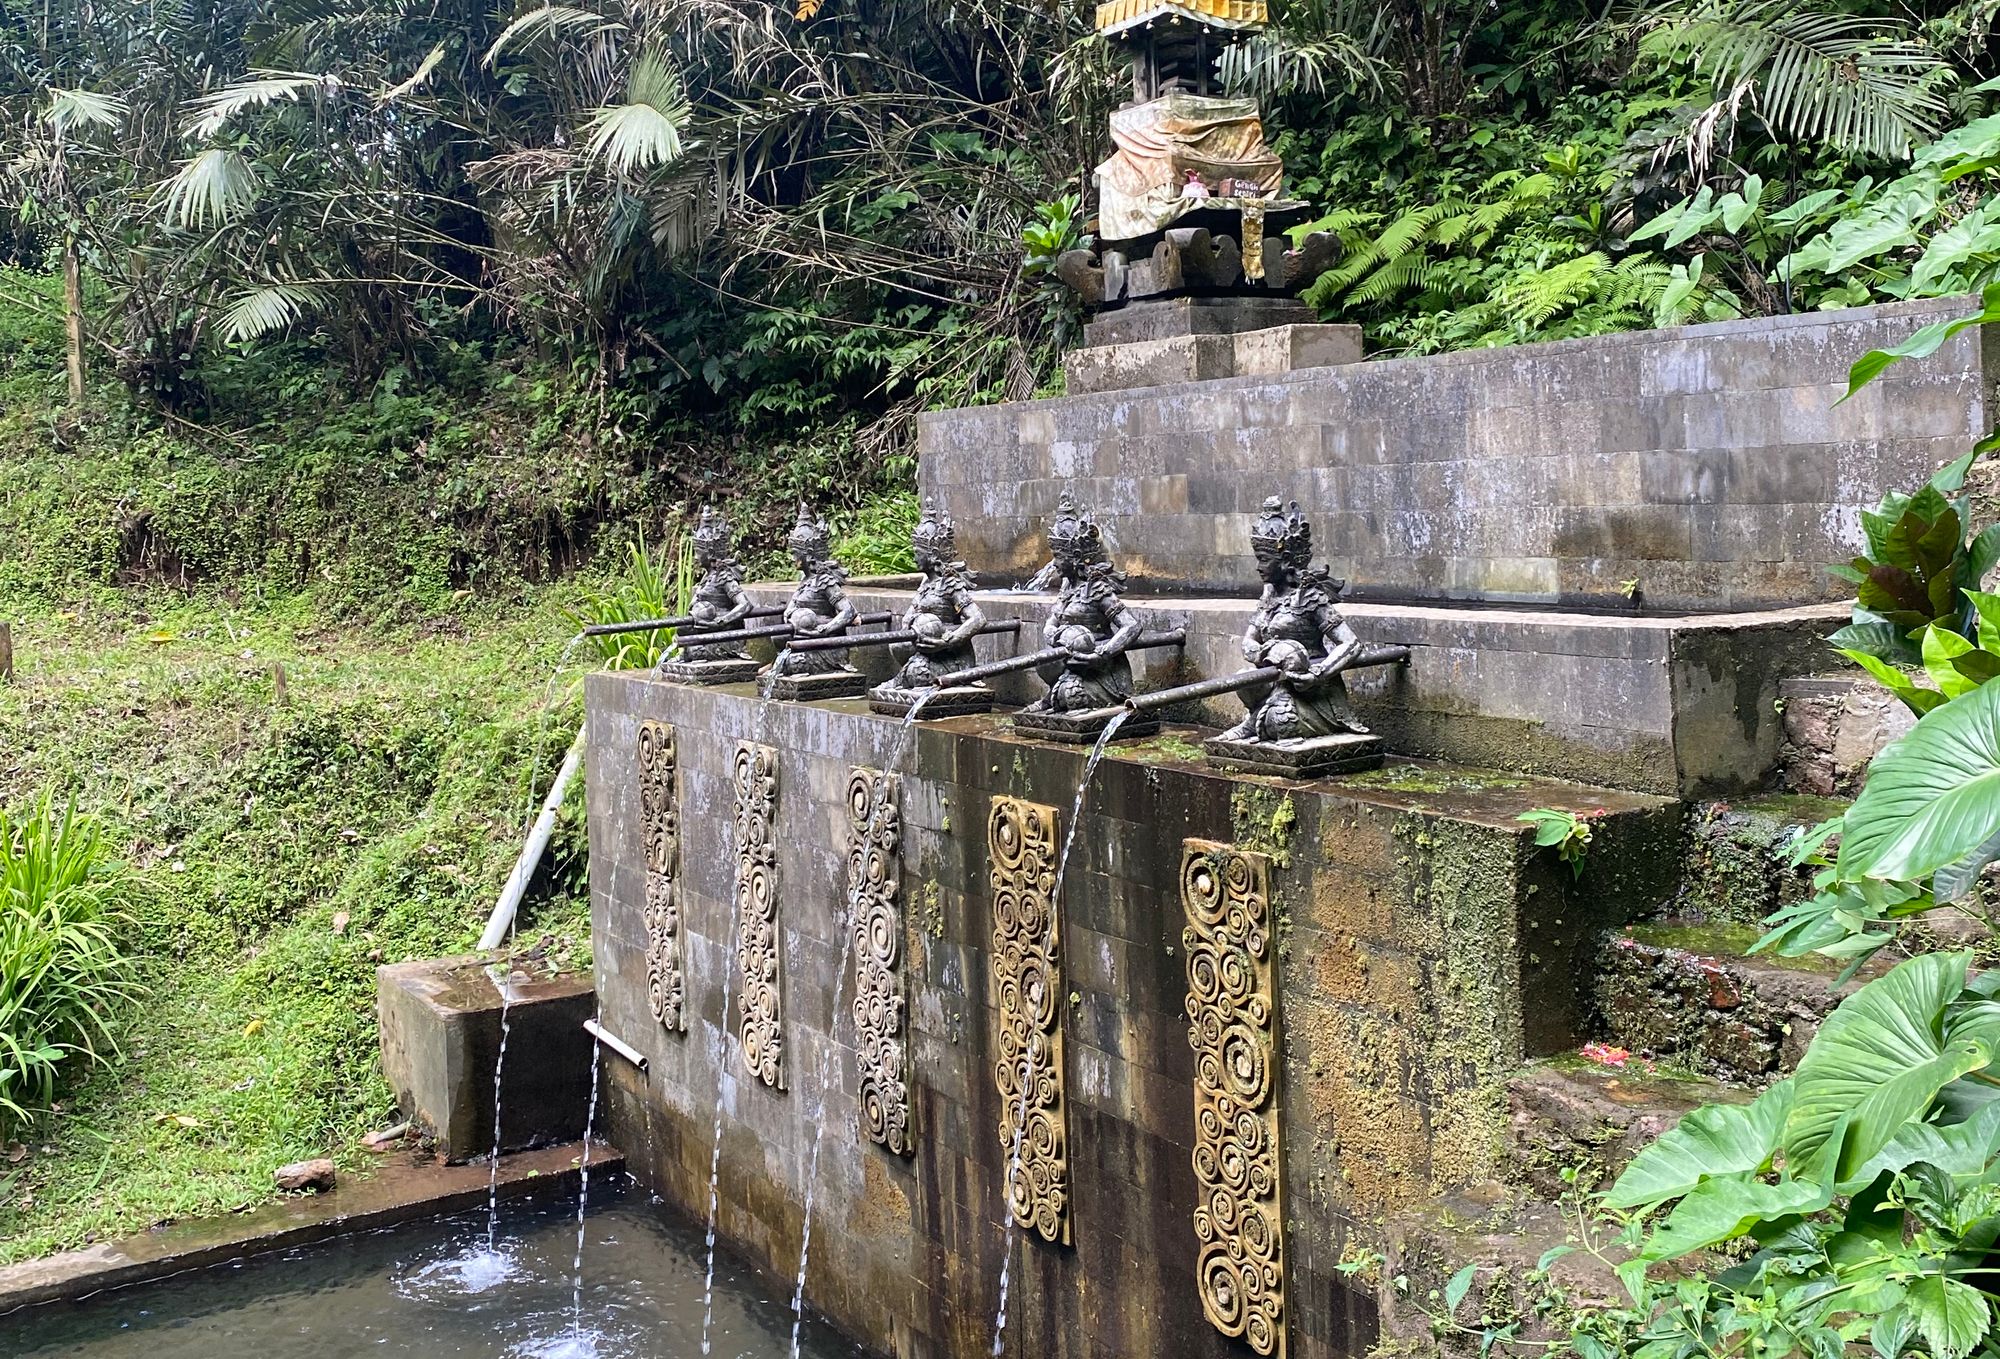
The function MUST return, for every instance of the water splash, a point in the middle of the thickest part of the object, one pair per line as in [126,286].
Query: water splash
[462,1274]
[1027,1056]
[845,926]
[583,1185]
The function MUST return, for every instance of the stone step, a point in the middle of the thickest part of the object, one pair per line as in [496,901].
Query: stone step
[1506,1238]
[1592,1114]
[1736,860]
[1694,996]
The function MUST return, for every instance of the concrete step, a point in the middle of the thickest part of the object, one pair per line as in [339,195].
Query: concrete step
[1694,996]
[1591,1115]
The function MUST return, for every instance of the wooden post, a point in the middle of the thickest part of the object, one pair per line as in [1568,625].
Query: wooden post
[73,319]
[6,652]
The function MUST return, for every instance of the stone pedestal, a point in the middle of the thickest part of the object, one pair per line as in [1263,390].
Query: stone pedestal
[710,672]
[1081,728]
[953,702]
[810,688]
[1142,321]
[1305,758]
[440,1021]
[1200,357]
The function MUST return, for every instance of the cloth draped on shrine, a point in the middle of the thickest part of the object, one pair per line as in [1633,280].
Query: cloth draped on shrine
[1158,142]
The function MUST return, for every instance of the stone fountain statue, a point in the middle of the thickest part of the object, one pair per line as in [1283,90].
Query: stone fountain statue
[1299,720]
[720,603]
[943,618]
[819,608]
[1087,635]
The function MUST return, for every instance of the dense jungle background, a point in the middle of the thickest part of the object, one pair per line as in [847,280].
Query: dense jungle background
[349,349]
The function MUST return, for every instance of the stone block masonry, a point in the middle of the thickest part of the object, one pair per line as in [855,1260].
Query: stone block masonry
[1697,468]
[1420,948]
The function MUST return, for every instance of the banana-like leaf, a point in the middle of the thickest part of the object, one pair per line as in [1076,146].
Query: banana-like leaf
[1878,1063]
[1932,798]
[1716,1139]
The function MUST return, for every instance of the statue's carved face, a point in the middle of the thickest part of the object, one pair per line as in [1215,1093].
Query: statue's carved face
[929,560]
[1272,566]
[803,554]
[710,554]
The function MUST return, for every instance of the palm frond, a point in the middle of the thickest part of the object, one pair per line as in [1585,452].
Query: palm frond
[645,132]
[416,80]
[212,111]
[548,21]
[83,108]
[213,189]
[257,312]
[1862,85]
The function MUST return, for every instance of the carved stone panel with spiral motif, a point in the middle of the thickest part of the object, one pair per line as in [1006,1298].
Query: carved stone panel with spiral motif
[874,872]
[761,1001]
[1233,1026]
[1021,844]
[660,823]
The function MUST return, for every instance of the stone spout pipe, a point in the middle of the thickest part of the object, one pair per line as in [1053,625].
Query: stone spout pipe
[1243,679]
[686,620]
[1048,656]
[698,639]
[887,638]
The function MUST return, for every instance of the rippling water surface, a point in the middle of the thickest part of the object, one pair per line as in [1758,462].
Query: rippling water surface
[434,1289]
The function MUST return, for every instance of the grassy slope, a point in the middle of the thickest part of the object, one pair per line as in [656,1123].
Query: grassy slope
[282,849]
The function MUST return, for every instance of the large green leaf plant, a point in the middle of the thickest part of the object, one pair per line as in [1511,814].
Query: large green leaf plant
[1856,1202]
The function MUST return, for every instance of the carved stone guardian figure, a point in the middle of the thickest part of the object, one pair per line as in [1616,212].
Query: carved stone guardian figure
[945,618]
[720,603]
[1091,627]
[819,607]
[1299,722]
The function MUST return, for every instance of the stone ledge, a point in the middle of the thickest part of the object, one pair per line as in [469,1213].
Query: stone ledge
[393,1194]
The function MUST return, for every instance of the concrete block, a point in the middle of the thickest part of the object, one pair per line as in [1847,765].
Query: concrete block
[440,1027]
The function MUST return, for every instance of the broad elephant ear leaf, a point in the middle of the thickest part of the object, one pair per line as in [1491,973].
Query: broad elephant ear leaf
[1932,798]
[1878,1062]
[1716,1139]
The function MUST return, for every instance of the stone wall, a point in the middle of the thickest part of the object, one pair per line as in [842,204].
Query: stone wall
[1423,948]
[1696,468]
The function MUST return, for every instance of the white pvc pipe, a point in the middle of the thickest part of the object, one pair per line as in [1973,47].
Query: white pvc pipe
[615,1043]
[502,918]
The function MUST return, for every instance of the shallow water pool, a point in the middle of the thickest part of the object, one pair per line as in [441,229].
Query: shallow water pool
[433,1289]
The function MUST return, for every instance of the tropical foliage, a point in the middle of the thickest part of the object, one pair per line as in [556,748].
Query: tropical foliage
[63,971]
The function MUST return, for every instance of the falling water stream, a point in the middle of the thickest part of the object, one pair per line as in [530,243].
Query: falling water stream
[1027,1055]
[846,925]
[495,1268]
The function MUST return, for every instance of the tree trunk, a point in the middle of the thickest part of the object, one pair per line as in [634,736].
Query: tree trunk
[73,319]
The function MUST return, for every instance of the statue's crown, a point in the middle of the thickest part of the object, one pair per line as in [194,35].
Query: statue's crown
[935,532]
[1282,529]
[1073,533]
[711,535]
[810,534]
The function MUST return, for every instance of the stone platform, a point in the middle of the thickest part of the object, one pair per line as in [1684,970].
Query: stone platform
[1680,705]
[1422,947]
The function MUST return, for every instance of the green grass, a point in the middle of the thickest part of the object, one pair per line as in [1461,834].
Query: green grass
[283,837]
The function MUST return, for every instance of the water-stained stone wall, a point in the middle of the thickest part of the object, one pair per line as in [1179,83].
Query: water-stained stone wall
[1421,948]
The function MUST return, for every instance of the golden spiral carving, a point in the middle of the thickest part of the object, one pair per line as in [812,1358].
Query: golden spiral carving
[1232,1027]
[881,1049]
[760,1004]
[660,828]
[1027,986]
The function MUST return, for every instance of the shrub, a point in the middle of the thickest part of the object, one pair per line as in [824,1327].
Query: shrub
[63,974]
